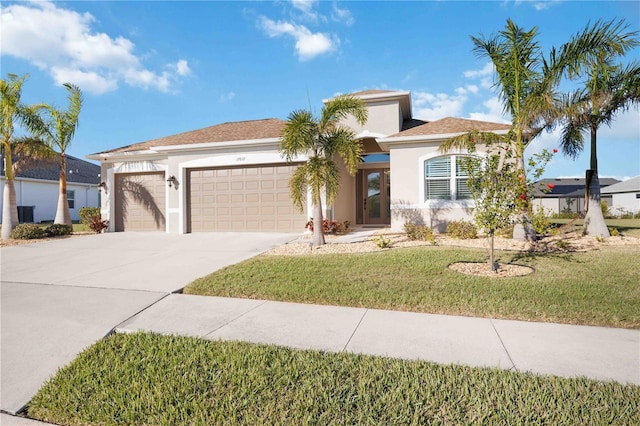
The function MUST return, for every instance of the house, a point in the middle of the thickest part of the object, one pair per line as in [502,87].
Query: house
[625,196]
[566,195]
[231,176]
[37,190]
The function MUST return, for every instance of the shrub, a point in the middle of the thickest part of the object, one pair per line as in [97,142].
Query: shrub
[418,232]
[462,229]
[614,232]
[332,227]
[56,230]
[87,214]
[505,232]
[605,210]
[28,231]
[382,242]
[541,222]
[98,225]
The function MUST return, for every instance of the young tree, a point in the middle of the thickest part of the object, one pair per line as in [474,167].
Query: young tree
[57,130]
[526,83]
[322,139]
[609,88]
[25,150]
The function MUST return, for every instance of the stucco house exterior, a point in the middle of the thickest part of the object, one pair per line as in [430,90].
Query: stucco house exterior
[231,176]
[37,190]
[625,196]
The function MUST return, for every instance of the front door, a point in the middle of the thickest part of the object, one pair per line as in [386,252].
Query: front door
[375,196]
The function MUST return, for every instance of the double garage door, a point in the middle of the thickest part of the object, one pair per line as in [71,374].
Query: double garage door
[218,199]
[242,199]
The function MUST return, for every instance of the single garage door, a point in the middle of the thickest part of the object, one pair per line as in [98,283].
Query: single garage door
[243,199]
[140,202]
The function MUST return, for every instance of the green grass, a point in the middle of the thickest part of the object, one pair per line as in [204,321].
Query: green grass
[148,379]
[595,288]
[627,227]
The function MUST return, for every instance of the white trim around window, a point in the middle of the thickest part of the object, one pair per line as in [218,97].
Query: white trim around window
[442,173]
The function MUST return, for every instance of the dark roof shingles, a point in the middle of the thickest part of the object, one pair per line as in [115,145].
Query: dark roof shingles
[78,171]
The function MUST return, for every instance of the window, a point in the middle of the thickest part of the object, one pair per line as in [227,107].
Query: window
[445,179]
[71,199]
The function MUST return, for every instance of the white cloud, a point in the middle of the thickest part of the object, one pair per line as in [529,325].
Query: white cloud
[342,15]
[227,97]
[62,42]
[625,126]
[428,106]
[305,7]
[308,45]
[485,74]
[493,112]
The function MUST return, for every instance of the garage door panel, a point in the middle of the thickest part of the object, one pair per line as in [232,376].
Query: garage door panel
[249,199]
[140,202]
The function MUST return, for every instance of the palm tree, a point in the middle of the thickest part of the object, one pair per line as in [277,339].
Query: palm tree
[609,88]
[526,82]
[321,139]
[57,128]
[27,150]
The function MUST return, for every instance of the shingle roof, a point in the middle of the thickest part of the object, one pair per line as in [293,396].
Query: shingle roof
[566,187]
[225,132]
[371,92]
[78,171]
[451,125]
[629,185]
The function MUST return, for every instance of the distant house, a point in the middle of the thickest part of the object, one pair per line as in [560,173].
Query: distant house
[37,190]
[566,195]
[625,196]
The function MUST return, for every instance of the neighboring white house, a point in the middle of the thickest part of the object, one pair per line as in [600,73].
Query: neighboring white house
[625,196]
[37,190]
[231,176]
[565,195]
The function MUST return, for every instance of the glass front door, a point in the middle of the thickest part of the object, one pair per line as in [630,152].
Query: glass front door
[377,191]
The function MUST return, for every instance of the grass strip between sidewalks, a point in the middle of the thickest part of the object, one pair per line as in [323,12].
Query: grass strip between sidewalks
[152,379]
[597,288]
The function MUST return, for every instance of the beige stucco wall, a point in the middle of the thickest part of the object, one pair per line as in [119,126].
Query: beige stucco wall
[407,190]
[344,207]
[384,118]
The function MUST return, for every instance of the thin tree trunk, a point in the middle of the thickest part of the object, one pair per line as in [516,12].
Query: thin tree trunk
[594,224]
[523,228]
[63,217]
[492,263]
[9,209]
[318,234]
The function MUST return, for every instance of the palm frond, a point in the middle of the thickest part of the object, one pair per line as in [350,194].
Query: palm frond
[470,140]
[341,141]
[339,108]
[298,136]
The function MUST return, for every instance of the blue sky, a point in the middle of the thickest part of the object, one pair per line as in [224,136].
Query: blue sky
[152,69]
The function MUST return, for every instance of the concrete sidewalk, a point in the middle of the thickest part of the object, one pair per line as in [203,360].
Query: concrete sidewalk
[544,348]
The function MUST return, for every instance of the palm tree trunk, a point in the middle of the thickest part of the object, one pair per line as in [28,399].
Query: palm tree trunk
[63,217]
[318,234]
[594,224]
[9,209]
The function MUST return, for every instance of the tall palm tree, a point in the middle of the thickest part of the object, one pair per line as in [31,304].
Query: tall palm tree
[609,88]
[27,149]
[321,139]
[57,130]
[526,83]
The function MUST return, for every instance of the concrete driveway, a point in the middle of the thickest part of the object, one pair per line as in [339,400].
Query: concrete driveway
[61,296]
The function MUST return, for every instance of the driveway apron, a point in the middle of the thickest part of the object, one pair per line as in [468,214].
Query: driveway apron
[59,297]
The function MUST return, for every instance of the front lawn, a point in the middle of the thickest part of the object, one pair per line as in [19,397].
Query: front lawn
[599,287]
[168,380]
[627,227]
